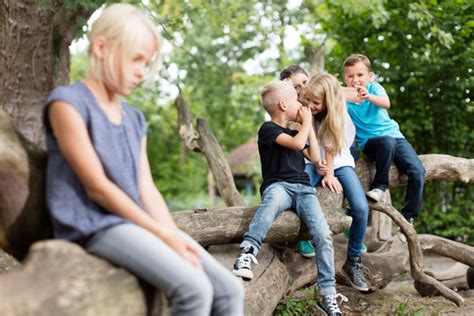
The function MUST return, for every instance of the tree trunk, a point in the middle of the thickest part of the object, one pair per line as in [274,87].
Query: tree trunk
[34,46]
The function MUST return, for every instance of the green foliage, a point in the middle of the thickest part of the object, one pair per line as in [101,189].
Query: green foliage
[291,307]
[403,309]
[79,66]
[448,210]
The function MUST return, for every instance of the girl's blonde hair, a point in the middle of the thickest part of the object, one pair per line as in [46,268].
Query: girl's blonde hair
[123,26]
[326,88]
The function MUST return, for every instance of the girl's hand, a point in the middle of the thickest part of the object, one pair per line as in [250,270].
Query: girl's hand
[332,183]
[322,168]
[183,247]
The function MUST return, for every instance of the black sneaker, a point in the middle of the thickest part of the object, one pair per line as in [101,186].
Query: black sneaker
[329,306]
[354,270]
[243,263]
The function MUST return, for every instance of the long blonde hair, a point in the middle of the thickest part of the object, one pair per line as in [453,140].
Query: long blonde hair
[326,88]
[123,26]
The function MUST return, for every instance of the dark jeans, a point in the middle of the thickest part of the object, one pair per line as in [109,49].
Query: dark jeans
[354,151]
[385,150]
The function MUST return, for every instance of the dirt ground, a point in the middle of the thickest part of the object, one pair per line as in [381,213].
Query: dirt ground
[399,298]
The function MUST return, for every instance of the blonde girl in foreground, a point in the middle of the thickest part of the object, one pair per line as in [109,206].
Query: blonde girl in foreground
[100,190]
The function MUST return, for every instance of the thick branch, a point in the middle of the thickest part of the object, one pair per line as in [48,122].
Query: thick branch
[218,164]
[204,140]
[185,125]
[228,225]
[416,255]
[448,248]
[438,167]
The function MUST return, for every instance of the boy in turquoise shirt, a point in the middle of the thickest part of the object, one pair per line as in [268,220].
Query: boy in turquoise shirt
[379,136]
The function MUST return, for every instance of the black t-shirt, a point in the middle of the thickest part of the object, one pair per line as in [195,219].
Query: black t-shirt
[279,163]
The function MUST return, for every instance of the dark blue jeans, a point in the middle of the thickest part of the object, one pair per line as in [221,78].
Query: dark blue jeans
[385,150]
[355,195]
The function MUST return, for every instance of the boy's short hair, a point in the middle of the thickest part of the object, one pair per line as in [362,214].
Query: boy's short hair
[291,70]
[356,58]
[272,93]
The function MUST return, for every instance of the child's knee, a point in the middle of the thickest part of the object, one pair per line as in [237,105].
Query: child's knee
[193,294]
[388,143]
[321,233]
[418,173]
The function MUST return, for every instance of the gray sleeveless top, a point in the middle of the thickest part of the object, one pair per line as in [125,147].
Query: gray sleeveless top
[74,215]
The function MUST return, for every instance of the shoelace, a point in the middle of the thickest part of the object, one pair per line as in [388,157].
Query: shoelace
[333,305]
[245,260]
[359,270]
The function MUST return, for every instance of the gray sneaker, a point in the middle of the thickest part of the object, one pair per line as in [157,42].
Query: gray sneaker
[354,270]
[375,194]
[329,306]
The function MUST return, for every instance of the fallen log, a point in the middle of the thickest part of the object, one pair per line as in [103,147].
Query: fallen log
[453,278]
[437,166]
[214,226]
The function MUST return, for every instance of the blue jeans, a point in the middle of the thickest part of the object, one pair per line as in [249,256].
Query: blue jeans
[214,291]
[355,195]
[385,150]
[301,198]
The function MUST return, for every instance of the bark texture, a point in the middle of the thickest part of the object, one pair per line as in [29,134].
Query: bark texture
[228,225]
[34,46]
[60,278]
[23,215]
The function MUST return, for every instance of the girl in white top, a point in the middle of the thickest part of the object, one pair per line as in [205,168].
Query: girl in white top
[336,132]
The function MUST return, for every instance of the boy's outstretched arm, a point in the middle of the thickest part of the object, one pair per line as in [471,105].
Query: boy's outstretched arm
[351,95]
[298,142]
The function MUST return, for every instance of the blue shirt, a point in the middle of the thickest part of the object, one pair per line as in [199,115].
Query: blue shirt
[371,120]
[74,215]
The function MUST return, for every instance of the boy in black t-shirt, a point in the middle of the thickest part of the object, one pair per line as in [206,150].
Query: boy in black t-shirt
[286,185]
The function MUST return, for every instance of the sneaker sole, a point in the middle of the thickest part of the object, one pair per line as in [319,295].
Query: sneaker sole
[372,197]
[244,274]
[358,288]
[321,310]
[308,255]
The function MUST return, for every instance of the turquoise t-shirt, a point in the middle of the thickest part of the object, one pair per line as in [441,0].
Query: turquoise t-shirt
[371,120]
